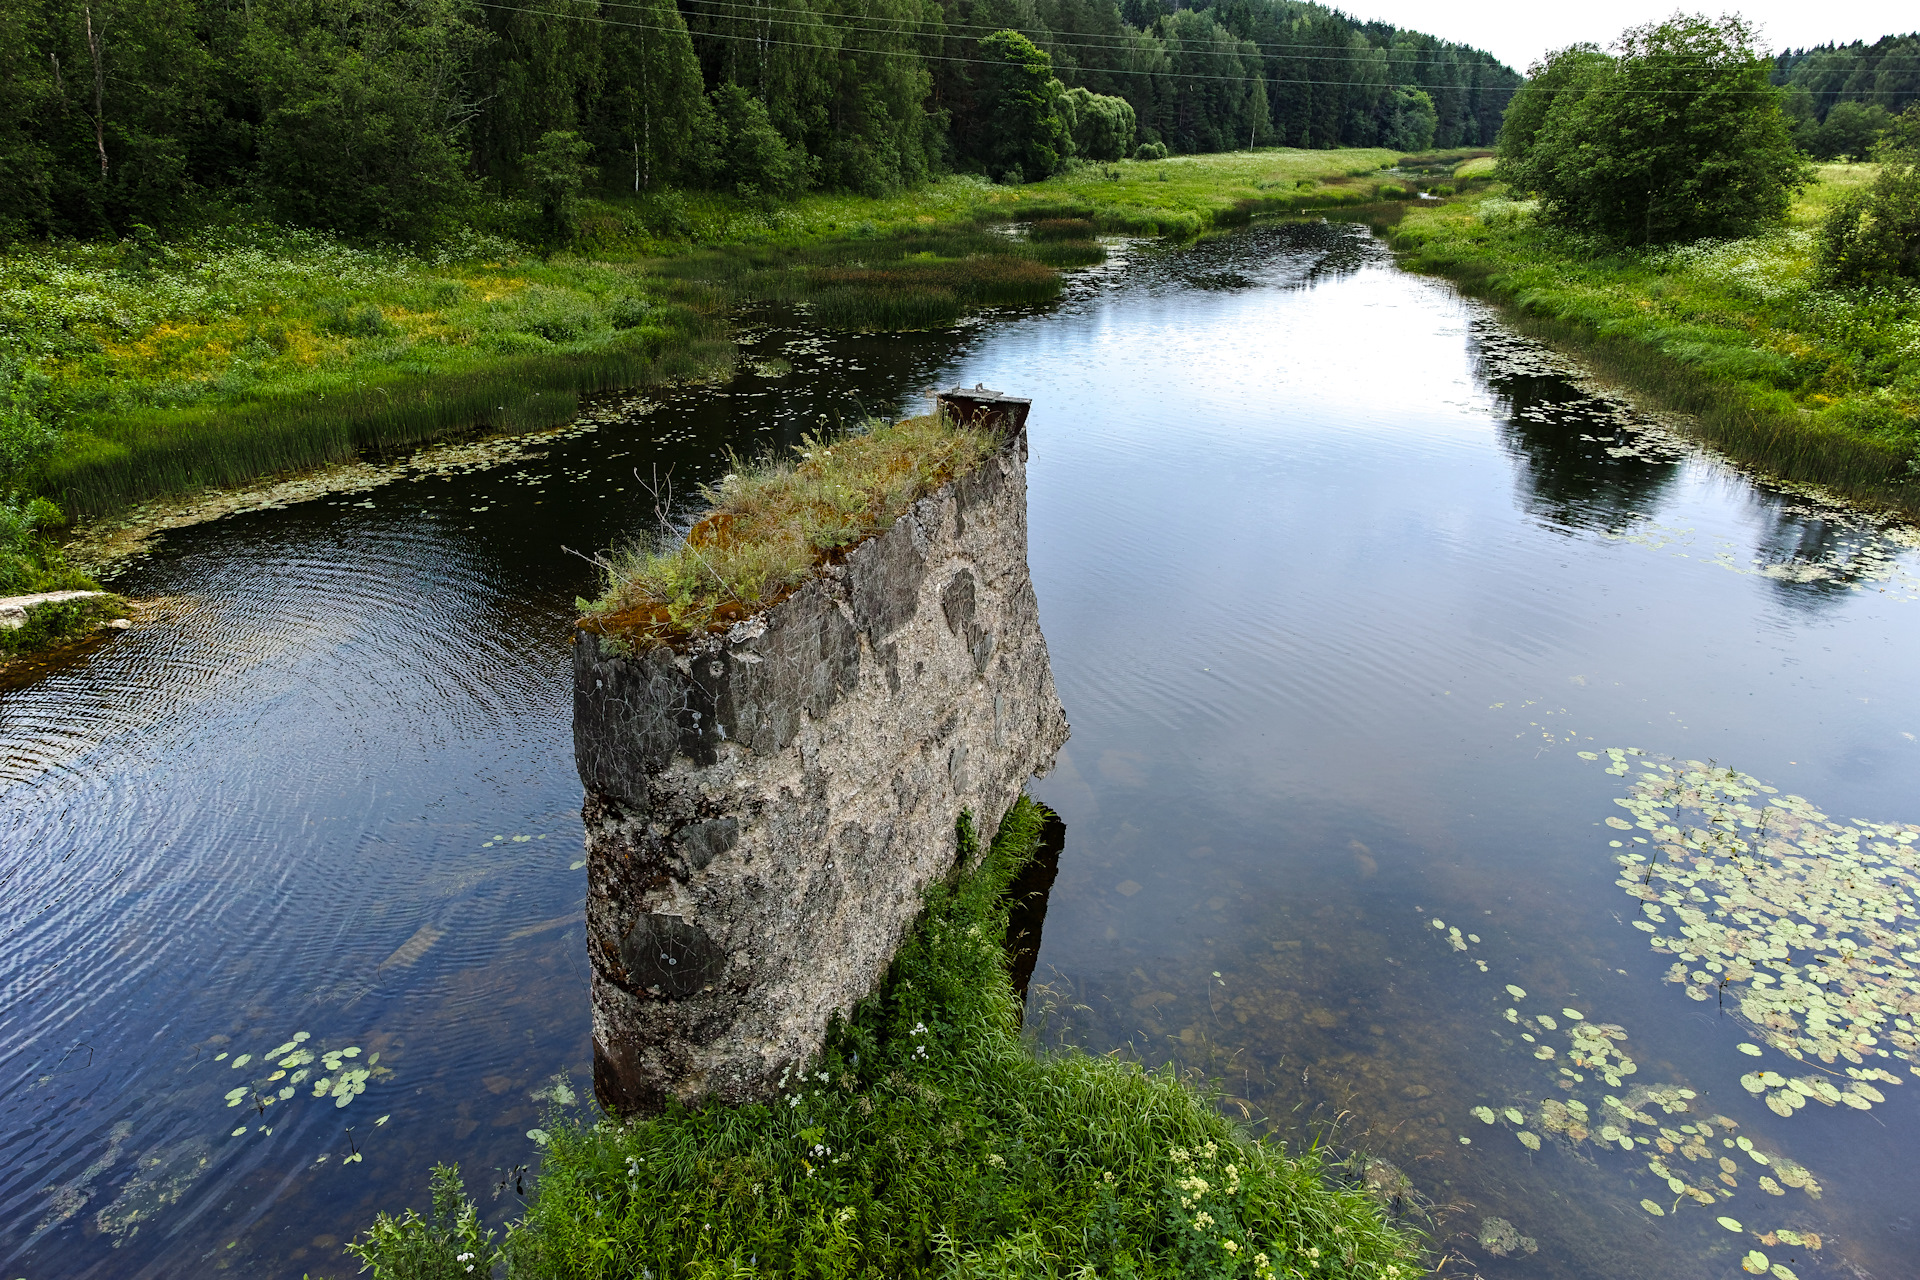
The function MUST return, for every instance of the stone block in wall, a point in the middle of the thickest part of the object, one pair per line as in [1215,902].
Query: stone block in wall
[766,807]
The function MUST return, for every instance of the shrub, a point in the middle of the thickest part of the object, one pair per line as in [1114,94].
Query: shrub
[25,434]
[447,1244]
[1150,151]
[55,621]
[1873,236]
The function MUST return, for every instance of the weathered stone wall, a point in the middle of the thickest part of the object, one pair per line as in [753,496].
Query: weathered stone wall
[765,809]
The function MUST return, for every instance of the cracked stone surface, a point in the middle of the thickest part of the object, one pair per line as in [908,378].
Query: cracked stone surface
[765,808]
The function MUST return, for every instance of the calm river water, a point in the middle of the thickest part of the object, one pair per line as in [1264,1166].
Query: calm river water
[1339,580]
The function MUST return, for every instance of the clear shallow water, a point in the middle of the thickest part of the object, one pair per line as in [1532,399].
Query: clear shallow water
[1335,590]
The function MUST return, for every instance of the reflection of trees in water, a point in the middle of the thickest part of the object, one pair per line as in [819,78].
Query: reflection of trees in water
[1815,558]
[1559,439]
[1268,254]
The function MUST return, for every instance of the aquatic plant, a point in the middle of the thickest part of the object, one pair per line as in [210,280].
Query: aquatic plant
[929,1139]
[770,522]
[1806,926]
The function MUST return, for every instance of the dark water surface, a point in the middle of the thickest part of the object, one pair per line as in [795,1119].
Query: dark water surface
[1338,580]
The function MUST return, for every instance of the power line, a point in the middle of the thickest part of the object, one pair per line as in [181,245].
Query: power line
[1094,41]
[919,56]
[1091,42]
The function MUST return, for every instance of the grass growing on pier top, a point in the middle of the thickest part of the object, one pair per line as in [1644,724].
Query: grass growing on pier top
[771,522]
[929,1140]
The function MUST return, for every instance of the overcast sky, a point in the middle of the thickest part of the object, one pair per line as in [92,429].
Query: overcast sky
[1518,31]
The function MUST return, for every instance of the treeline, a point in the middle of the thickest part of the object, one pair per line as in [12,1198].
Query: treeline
[387,118]
[1842,97]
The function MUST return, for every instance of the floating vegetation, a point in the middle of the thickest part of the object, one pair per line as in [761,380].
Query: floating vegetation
[1503,1240]
[334,1073]
[1805,928]
[1862,552]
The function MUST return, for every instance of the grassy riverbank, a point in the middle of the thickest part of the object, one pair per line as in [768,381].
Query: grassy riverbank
[170,367]
[928,1140]
[1804,381]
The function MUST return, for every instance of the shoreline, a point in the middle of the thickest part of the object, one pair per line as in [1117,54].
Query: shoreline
[1695,343]
[107,544]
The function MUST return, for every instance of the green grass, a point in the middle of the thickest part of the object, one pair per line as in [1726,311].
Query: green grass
[238,354]
[929,1139]
[1806,382]
[772,521]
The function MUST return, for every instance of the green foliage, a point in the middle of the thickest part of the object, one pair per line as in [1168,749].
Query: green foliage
[753,153]
[29,559]
[1216,98]
[227,356]
[58,621]
[386,119]
[1102,126]
[557,170]
[1150,151]
[1848,133]
[1409,119]
[25,434]
[1021,134]
[771,522]
[1873,236]
[1676,138]
[362,113]
[448,1244]
[929,1140]
[1885,74]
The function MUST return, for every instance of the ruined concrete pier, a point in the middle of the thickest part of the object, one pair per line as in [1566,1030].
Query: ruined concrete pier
[765,807]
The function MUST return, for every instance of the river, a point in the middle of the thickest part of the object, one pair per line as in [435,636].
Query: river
[1339,577]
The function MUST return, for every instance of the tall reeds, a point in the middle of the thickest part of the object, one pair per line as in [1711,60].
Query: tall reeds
[108,461]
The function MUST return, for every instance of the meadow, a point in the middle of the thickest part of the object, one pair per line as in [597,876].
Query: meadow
[928,1139]
[167,367]
[1805,381]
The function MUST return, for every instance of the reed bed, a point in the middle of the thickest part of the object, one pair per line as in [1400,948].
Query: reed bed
[111,460]
[923,278]
[768,524]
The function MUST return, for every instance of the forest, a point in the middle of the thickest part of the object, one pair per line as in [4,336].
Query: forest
[1841,97]
[396,119]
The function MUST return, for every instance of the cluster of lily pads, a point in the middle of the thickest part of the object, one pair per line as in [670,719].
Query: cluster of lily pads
[279,1073]
[1699,1156]
[1807,928]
